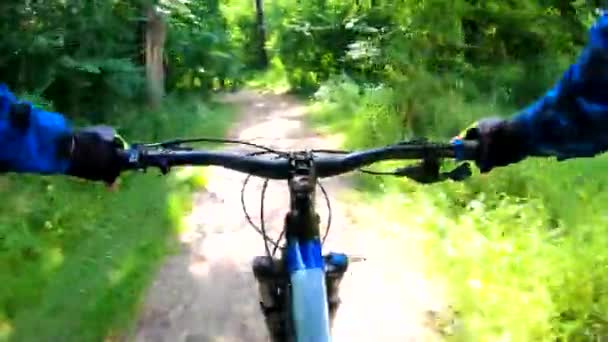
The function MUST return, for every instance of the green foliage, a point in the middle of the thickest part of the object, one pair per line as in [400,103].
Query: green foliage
[381,71]
[307,48]
[521,251]
[200,54]
[373,115]
[87,57]
[323,38]
[241,24]
[487,42]
[80,55]
[274,78]
[543,253]
[74,257]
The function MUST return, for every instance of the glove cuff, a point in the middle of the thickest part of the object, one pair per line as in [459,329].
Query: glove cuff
[65,146]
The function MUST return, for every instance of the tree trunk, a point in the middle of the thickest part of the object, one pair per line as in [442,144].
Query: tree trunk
[154,53]
[261,27]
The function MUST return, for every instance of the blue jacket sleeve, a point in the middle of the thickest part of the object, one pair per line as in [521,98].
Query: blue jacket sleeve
[571,119]
[31,147]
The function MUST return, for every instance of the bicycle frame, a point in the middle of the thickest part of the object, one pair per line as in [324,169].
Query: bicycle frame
[293,289]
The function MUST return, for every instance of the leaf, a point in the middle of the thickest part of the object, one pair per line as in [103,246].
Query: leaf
[90,66]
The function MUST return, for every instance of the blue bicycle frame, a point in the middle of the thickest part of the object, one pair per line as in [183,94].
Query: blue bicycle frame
[309,305]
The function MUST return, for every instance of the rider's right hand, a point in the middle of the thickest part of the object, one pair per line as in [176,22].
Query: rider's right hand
[501,142]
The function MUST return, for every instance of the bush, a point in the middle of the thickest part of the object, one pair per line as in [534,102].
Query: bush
[417,106]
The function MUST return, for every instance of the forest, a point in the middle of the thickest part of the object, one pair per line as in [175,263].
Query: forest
[521,251]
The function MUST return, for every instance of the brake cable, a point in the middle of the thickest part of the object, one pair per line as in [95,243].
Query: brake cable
[250,220]
[262,228]
[327,227]
[176,143]
[262,223]
[420,172]
[328,202]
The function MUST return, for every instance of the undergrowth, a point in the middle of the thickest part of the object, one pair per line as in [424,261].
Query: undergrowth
[75,257]
[521,251]
[274,78]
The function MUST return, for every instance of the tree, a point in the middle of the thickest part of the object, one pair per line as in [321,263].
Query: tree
[261,30]
[154,51]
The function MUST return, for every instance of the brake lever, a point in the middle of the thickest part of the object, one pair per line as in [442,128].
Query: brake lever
[427,172]
[460,172]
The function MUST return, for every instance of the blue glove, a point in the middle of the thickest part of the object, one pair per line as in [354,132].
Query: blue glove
[29,137]
[36,141]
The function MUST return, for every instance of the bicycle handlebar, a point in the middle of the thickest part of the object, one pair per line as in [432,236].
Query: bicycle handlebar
[141,157]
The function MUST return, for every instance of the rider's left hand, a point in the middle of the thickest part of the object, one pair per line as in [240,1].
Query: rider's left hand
[93,154]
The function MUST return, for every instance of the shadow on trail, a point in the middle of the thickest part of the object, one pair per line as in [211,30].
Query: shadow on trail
[228,322]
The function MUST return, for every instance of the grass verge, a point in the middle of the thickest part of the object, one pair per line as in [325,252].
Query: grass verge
[74,257]
[521,252]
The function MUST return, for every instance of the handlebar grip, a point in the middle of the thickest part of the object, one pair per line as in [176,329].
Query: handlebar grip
[465,149]
[129,159]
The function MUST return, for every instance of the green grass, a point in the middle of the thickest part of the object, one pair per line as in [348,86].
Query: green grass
[521,252]
[74,257]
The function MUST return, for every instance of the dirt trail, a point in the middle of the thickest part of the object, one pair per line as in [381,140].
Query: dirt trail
[207,292]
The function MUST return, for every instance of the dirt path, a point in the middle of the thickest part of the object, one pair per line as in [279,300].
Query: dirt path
[207,292]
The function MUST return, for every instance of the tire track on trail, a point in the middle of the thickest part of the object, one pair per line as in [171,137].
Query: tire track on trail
[207,291]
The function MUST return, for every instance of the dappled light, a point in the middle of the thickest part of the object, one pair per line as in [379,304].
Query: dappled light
[6,330]
[517,254]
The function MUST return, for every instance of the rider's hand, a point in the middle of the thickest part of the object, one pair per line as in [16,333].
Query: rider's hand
[93,154]
[501,142]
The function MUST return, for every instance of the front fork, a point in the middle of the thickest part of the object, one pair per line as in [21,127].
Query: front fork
[272,286]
